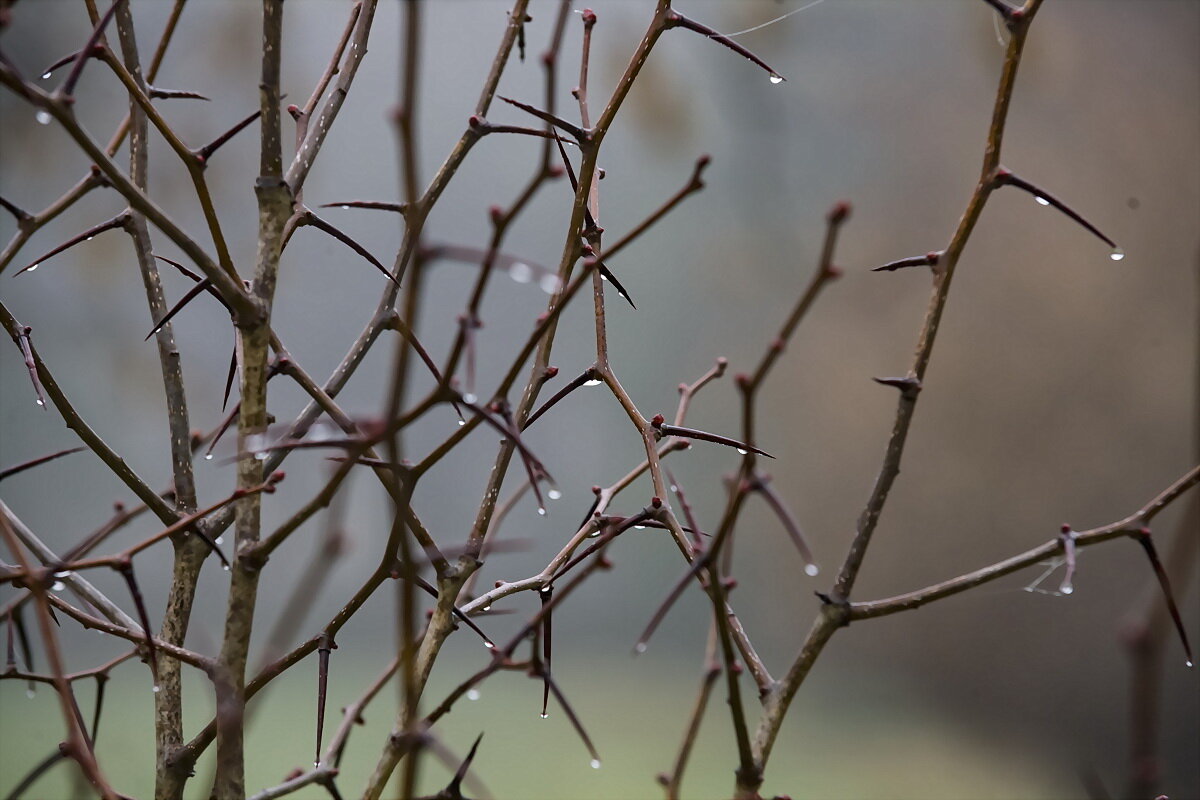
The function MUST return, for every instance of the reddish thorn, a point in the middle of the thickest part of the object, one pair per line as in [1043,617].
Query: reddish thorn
[277,476]
[657,420]
[682,388]
[589,17]
[742,379]
[1065,528]
[496,213]
[596,490]
[475,121]
[840,211]
[551,372]
[294,110]
[656,502]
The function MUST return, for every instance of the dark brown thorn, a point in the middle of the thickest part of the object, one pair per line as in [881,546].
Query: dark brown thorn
[97,52]
[695,184]
[181,268]
[8,472]
[588,374]
[68,87]
[1004,177]
[125,567]
[1143,538]
[116,222]
[324,647]
[908,385]
[546,594]
[399,208]
[206,152]
[453,790]
[762,485]
[26,345]
[606,273]
[617,526]
[322,225]
[692,433]
[198,289]
[175,94]
[533,468]
[101,683]
[927,260]
[22,216]
[676,592]
[229,418]
[484,127]
[591,510]
[18,619]
[579,133]
[407,572]
[10,651]
[38,771]
[233,364]
[677,20]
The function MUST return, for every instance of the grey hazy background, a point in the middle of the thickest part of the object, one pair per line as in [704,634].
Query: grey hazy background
[1062,388]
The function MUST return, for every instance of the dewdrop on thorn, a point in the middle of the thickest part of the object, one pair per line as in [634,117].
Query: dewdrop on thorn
[43,117]
[811,570]
[45,76]
[592,382]
[549,284]
[541,511]
[544,715]
[520,272]
[1117,254]
[32,267]
[554,494]
[776,79]
[595,763]
[1041,201]
[156,688]
[208,456]
[472,694]
[741,451]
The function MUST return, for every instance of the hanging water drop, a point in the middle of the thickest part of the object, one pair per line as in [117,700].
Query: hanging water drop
[490,645]
[462,422]
[469,397]
[208,456]
[596,761]
[639,527]
[219,540]
[1067,588]
[1041,201]
[32,267]
[549,284]
[156,688]
[40,402]
[486,608]
[544,715]
[43,117]
[1117,254]
[520,272]
[58,586]
[741,451]
[811,570]
[1188,664]
[640,647]
[472,694]
[225,567]
[30,693]
[592,382]
[89,238]
[554,494]
[776,79]
[593,534]
[345,208]
[45,76]
[541,511]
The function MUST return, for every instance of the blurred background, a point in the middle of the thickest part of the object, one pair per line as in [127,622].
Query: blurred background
[1062,389]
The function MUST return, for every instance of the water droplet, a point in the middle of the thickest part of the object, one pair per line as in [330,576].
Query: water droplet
[63,574]
[462,422]
[640,647]
[674,488]
[486,608]
[1067,588]
[1117,254]
[639,527]
[593,534]
[1041,201]
[1189,664]
[776,79]
[261,455]
[541,511]
[472,694]
[549,284]
[43,117]
[543,715]
[219,540]
[45,76]
[603,277]
[58,586]
[554,494]
[740,450]
[225,567]
[345,207]
[595,763]
[156,688]
[592,382]
[30,693]
[32,267]
[489,645]
[469,397]
[520,272]
[316,765]
[811,570]
[208,456]
[88,239]
[40,402]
